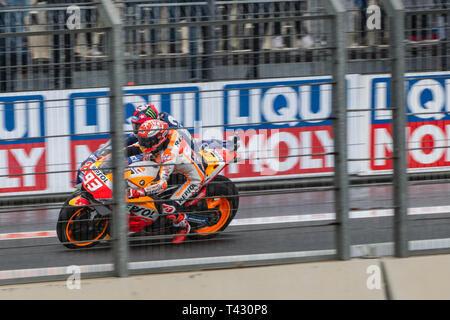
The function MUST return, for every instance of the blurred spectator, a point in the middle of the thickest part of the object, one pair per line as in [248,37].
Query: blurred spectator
[232,33]
[258,8]
[274,9]
[362,5]
[194,13]
[62,50]
[13,51]
[163,40]
[301,30]
[89,18]
[375,36]
[442,20]
[133,42]
[174,18]
[39,45]
[129,17]
[258,40]
[271,34]
[152,15]
[360,33]
[421,25]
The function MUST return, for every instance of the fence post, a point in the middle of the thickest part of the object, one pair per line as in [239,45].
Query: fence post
[339,110]
[115,42]
[395,12]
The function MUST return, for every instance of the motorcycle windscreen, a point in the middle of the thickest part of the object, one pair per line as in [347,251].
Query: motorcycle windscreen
[214,160]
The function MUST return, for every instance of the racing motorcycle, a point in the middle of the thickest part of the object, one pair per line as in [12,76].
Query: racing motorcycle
[85,217]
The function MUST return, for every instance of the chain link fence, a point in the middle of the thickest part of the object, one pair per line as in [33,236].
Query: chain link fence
[427,29]
[307,87]
[203,41]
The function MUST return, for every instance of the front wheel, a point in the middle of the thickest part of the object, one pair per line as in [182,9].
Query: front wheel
[222,200]
[78,228]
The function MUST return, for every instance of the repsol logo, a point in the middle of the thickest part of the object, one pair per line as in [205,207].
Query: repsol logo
[190,189]
[142,211]
[100,175]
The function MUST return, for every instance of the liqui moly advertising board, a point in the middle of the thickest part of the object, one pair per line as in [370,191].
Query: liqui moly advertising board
[285,127]
[23,151]
[428,122]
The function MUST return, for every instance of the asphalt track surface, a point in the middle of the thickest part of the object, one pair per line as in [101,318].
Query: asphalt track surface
[274,223]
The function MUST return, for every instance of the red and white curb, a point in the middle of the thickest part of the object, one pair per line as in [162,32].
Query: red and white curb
[27,235]
[356,214]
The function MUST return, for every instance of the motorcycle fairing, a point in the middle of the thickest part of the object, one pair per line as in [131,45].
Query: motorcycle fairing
[96,182]
[214,160]
[137,178]
[79,201]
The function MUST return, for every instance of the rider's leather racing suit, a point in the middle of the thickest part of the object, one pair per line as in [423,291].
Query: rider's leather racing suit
[176,155]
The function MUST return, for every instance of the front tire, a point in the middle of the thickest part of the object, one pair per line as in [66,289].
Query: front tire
[76,229]
[222,199]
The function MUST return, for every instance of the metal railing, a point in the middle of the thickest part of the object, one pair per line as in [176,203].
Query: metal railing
[206,40]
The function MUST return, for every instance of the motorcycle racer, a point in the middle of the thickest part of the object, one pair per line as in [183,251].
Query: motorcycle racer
[172,150]
[140,115]
[148,111]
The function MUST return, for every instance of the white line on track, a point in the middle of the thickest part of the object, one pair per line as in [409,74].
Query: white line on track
[356,214]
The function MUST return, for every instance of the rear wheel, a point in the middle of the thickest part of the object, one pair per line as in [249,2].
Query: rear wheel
[222,200]
[76,228]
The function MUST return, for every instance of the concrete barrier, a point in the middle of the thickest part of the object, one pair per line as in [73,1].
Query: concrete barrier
[425,277]
[418,278]
[319,280]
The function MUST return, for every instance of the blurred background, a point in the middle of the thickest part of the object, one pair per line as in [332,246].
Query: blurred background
[189,41]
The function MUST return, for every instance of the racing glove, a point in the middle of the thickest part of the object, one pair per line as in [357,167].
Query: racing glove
[135,193]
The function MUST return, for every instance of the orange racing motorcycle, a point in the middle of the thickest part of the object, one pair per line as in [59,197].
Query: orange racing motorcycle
[85,218]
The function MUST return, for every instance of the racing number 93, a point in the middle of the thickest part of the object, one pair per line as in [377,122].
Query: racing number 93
[91,182]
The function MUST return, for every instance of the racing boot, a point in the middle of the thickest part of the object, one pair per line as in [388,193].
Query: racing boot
[179,221]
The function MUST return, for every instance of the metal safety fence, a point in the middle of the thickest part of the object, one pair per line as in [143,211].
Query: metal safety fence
[106,57]
[405,115]
[424,143]
[170,42]
[164,42]
[50,163]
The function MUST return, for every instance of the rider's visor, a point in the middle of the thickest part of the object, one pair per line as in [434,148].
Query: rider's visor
[148,142]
